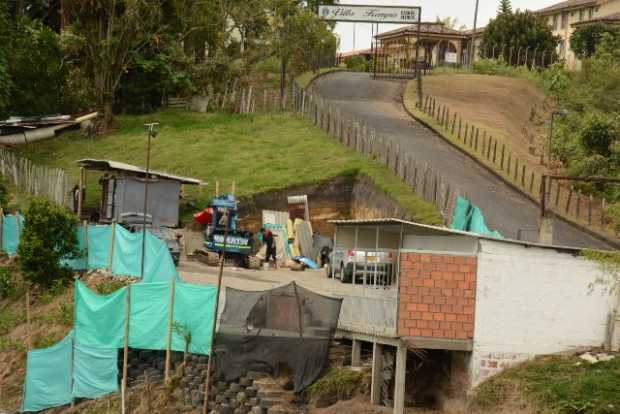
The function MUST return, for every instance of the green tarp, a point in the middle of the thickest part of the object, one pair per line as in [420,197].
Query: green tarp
[84,364]
[468,217]
[99,320]
[126,252]
[60,373]
[48,376]
[10,233]
[95,372]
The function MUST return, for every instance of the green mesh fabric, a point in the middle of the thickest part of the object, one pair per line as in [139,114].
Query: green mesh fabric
[468,217]
[10,233]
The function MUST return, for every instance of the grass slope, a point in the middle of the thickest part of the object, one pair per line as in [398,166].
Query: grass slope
[260,152]
[554,384]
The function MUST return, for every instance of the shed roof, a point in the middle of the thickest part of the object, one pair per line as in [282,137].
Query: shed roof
[446,231]
[109,165]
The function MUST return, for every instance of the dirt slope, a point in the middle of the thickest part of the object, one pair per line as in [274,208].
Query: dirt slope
[514,109]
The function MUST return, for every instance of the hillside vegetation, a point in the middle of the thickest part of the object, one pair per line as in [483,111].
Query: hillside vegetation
[554,385]
[259,152]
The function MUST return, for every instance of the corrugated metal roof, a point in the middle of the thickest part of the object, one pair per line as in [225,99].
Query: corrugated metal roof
[109,165]
[448,231]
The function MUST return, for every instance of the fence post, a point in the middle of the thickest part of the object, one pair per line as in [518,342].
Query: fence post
[476,144]
[460,125]
[590,210]
[126,351]
[523,175]
[453,122]
[111,248]
[570,196]
[170,319]
[503,155]
[578,210]
[532,182]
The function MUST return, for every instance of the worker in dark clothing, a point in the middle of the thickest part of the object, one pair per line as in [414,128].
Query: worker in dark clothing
[270,244]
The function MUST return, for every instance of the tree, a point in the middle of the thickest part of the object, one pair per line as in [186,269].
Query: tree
[48,237]
[586,38]
[450,22]
[106,36]
[505,7]
[520,29]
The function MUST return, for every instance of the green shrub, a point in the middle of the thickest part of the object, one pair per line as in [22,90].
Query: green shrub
[357,63]
[48,237]
[598,134]
[7,284]
[338,383]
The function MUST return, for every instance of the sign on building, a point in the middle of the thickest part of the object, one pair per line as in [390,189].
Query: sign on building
[451,57]
[370,14]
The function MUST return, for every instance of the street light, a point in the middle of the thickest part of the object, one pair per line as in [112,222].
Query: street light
[151,133]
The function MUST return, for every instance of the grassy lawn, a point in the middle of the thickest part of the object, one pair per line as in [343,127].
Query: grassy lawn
[305,78]
[259,152]
[557,384]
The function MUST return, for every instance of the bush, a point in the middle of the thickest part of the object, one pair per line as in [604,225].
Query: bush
[48,237]
[7,284]
[598,134]
[357,63]
[338,383]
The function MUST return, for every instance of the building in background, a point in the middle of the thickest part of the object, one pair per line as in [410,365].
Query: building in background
[565,17]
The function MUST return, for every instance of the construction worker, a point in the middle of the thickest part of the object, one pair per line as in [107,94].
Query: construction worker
[270,244]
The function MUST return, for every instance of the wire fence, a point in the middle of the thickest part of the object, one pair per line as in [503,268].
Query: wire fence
[563,199]
[37,180]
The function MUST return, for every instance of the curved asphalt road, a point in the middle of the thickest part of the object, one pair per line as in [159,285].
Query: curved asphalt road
[379,102]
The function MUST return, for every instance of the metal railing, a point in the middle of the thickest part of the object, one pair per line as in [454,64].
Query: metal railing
[375,268]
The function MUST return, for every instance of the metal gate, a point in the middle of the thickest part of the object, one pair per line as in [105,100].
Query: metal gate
[395,60]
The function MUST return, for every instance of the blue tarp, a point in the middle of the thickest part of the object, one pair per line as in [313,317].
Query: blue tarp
[468,217]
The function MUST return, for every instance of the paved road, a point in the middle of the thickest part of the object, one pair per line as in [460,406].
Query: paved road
[379,103]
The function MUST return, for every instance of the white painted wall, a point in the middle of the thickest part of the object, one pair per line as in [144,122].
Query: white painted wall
[532,301]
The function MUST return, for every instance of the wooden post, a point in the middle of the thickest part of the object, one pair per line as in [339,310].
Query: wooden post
[502,159]
[1,228]
[80,193]
[509,162]
[494,152]
[476,145]
[453,122]
[578,210]
[532,182]
[557,195]
[28,319]
[126,351]
[170,319]
[603,202]
[85,235]
[111,248]
[460,125]
[590,210]
[217,188]
[570,196]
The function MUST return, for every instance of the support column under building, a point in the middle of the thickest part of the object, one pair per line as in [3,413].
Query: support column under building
[399,380]
[356,353]
[377,374]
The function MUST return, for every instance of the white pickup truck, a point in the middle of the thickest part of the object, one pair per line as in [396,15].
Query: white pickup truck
[370,267]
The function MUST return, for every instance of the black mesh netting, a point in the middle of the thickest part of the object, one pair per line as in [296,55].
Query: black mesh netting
[289,328]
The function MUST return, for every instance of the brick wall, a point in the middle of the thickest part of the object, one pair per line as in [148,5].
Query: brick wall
[437,296]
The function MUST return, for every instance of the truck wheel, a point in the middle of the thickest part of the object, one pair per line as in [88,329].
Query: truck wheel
[254,262]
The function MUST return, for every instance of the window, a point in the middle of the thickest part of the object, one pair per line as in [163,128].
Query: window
[591,13]
[564,20]
[556,19]
[582,13]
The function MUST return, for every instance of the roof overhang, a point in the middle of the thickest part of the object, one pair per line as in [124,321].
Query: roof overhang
[425,229]
[557,8]
[128,169]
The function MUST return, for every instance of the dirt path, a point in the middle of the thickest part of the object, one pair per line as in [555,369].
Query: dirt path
[379,103]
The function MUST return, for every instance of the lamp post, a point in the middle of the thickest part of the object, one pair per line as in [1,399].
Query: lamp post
[151,133]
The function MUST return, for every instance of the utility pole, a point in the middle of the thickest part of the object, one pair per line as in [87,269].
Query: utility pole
[473,36]
[418,74]
[151,134]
